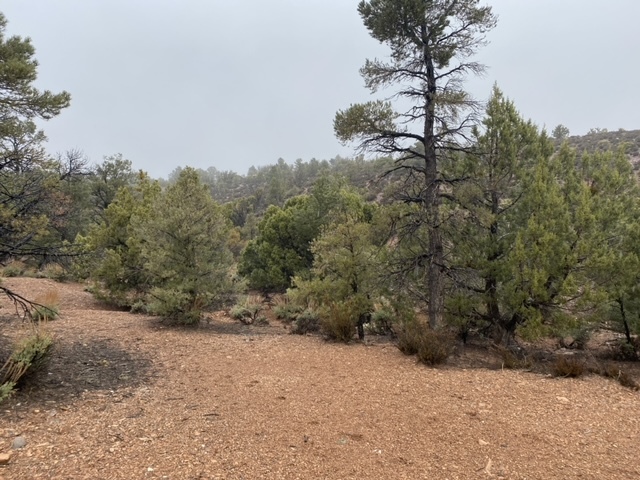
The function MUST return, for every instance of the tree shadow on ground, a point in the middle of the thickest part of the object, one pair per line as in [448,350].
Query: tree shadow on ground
[77,367]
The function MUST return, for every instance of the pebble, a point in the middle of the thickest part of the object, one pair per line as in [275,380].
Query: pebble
[18,442]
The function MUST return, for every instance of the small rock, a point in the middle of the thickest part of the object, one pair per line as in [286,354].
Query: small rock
[487,469]
[4,458]
[562,399]
[482,442]
[18,442]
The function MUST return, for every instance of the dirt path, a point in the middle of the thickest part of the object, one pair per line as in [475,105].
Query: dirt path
[126,397]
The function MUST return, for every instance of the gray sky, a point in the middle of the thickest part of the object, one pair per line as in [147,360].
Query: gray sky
[233,84]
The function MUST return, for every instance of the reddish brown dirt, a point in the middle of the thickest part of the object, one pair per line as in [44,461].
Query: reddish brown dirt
[129,397]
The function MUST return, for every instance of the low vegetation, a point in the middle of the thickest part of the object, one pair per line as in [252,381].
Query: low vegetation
[29,355]
[430,347]
[250,311]
[46,307]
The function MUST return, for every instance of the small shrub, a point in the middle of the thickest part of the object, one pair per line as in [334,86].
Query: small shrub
[626,351]
[47,308]
[287,312]
[576,338]
[307,321]
[435,347]
[14,269]
[432,347]
[612,371]
[512,359]
[55,271]
[340,322]
[568,366]
[28,356]
[381,322]
[409,338]
[249,311]
[238,312]
[582,337]
[6,390]
[180,307]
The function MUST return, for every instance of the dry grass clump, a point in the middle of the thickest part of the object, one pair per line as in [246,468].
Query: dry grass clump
[14,269]
[47,306]
[568,366]
[54,271]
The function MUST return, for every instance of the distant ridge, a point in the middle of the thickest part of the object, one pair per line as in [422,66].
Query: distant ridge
[605,140]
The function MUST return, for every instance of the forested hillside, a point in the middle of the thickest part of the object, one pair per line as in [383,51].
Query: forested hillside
[602,140]
[273,184]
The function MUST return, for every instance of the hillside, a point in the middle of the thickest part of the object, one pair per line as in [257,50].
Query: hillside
[605,140]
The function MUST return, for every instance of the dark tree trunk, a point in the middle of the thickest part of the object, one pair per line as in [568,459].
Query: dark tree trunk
[491,282]
[627,330]
[432,197]
[504,331]
[362,319]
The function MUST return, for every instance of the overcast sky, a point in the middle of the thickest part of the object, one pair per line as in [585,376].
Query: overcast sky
[231,84]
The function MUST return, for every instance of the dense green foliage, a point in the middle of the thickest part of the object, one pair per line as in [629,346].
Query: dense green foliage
[183,248]
[346,275]
[113,252]
[282,248]
[34,205]
[162,252]
[534,231]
